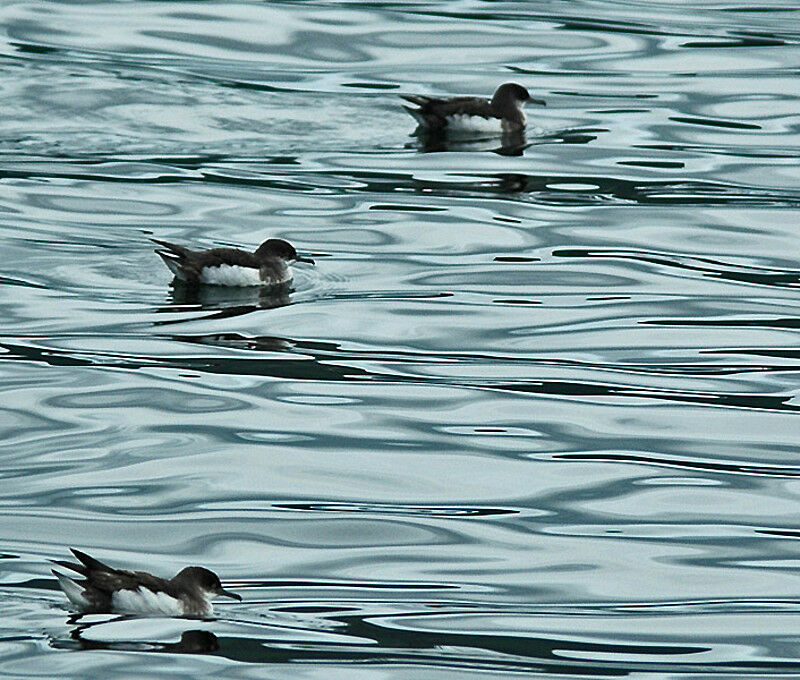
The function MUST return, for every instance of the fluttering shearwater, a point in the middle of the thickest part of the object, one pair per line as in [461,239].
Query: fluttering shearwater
[267,266]
[502,114]
[109,590]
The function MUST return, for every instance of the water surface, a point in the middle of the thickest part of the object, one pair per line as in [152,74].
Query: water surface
[533,413]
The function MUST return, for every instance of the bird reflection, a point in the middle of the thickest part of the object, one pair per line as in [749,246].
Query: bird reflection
[226,301]
[512,143]
[261,343]
[191,642]
[213,297]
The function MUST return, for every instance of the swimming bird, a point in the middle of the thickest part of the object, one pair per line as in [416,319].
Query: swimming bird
[503,113]
[267,266]
[109,590]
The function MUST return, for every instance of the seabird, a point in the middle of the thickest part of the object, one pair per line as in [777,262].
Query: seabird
[267,266]
[109,590]
[503,113]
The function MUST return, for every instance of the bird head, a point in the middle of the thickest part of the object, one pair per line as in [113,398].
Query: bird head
[204,580]
[277,247]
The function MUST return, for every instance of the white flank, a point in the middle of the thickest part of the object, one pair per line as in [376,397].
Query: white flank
[464,123]
[231,275]
[145,602]
[72,590]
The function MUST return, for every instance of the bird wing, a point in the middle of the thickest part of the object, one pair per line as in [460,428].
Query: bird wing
[434,112]
[106,579]
[217,256]
[468,106]
[87,563]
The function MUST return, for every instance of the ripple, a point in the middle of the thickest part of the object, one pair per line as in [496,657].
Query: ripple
[534,412]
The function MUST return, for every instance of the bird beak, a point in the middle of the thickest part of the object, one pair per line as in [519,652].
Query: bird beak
[228,593]
[540,102]
[304,259]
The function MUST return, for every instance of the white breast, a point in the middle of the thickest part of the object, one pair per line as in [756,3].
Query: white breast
[230,275]
[463,123]
[145,602]
[279,277]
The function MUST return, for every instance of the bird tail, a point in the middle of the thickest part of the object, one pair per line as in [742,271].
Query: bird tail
[173,248]
[73,590]
[173,263]
[72,566]
[417,114]
[173,256]
[419,100]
